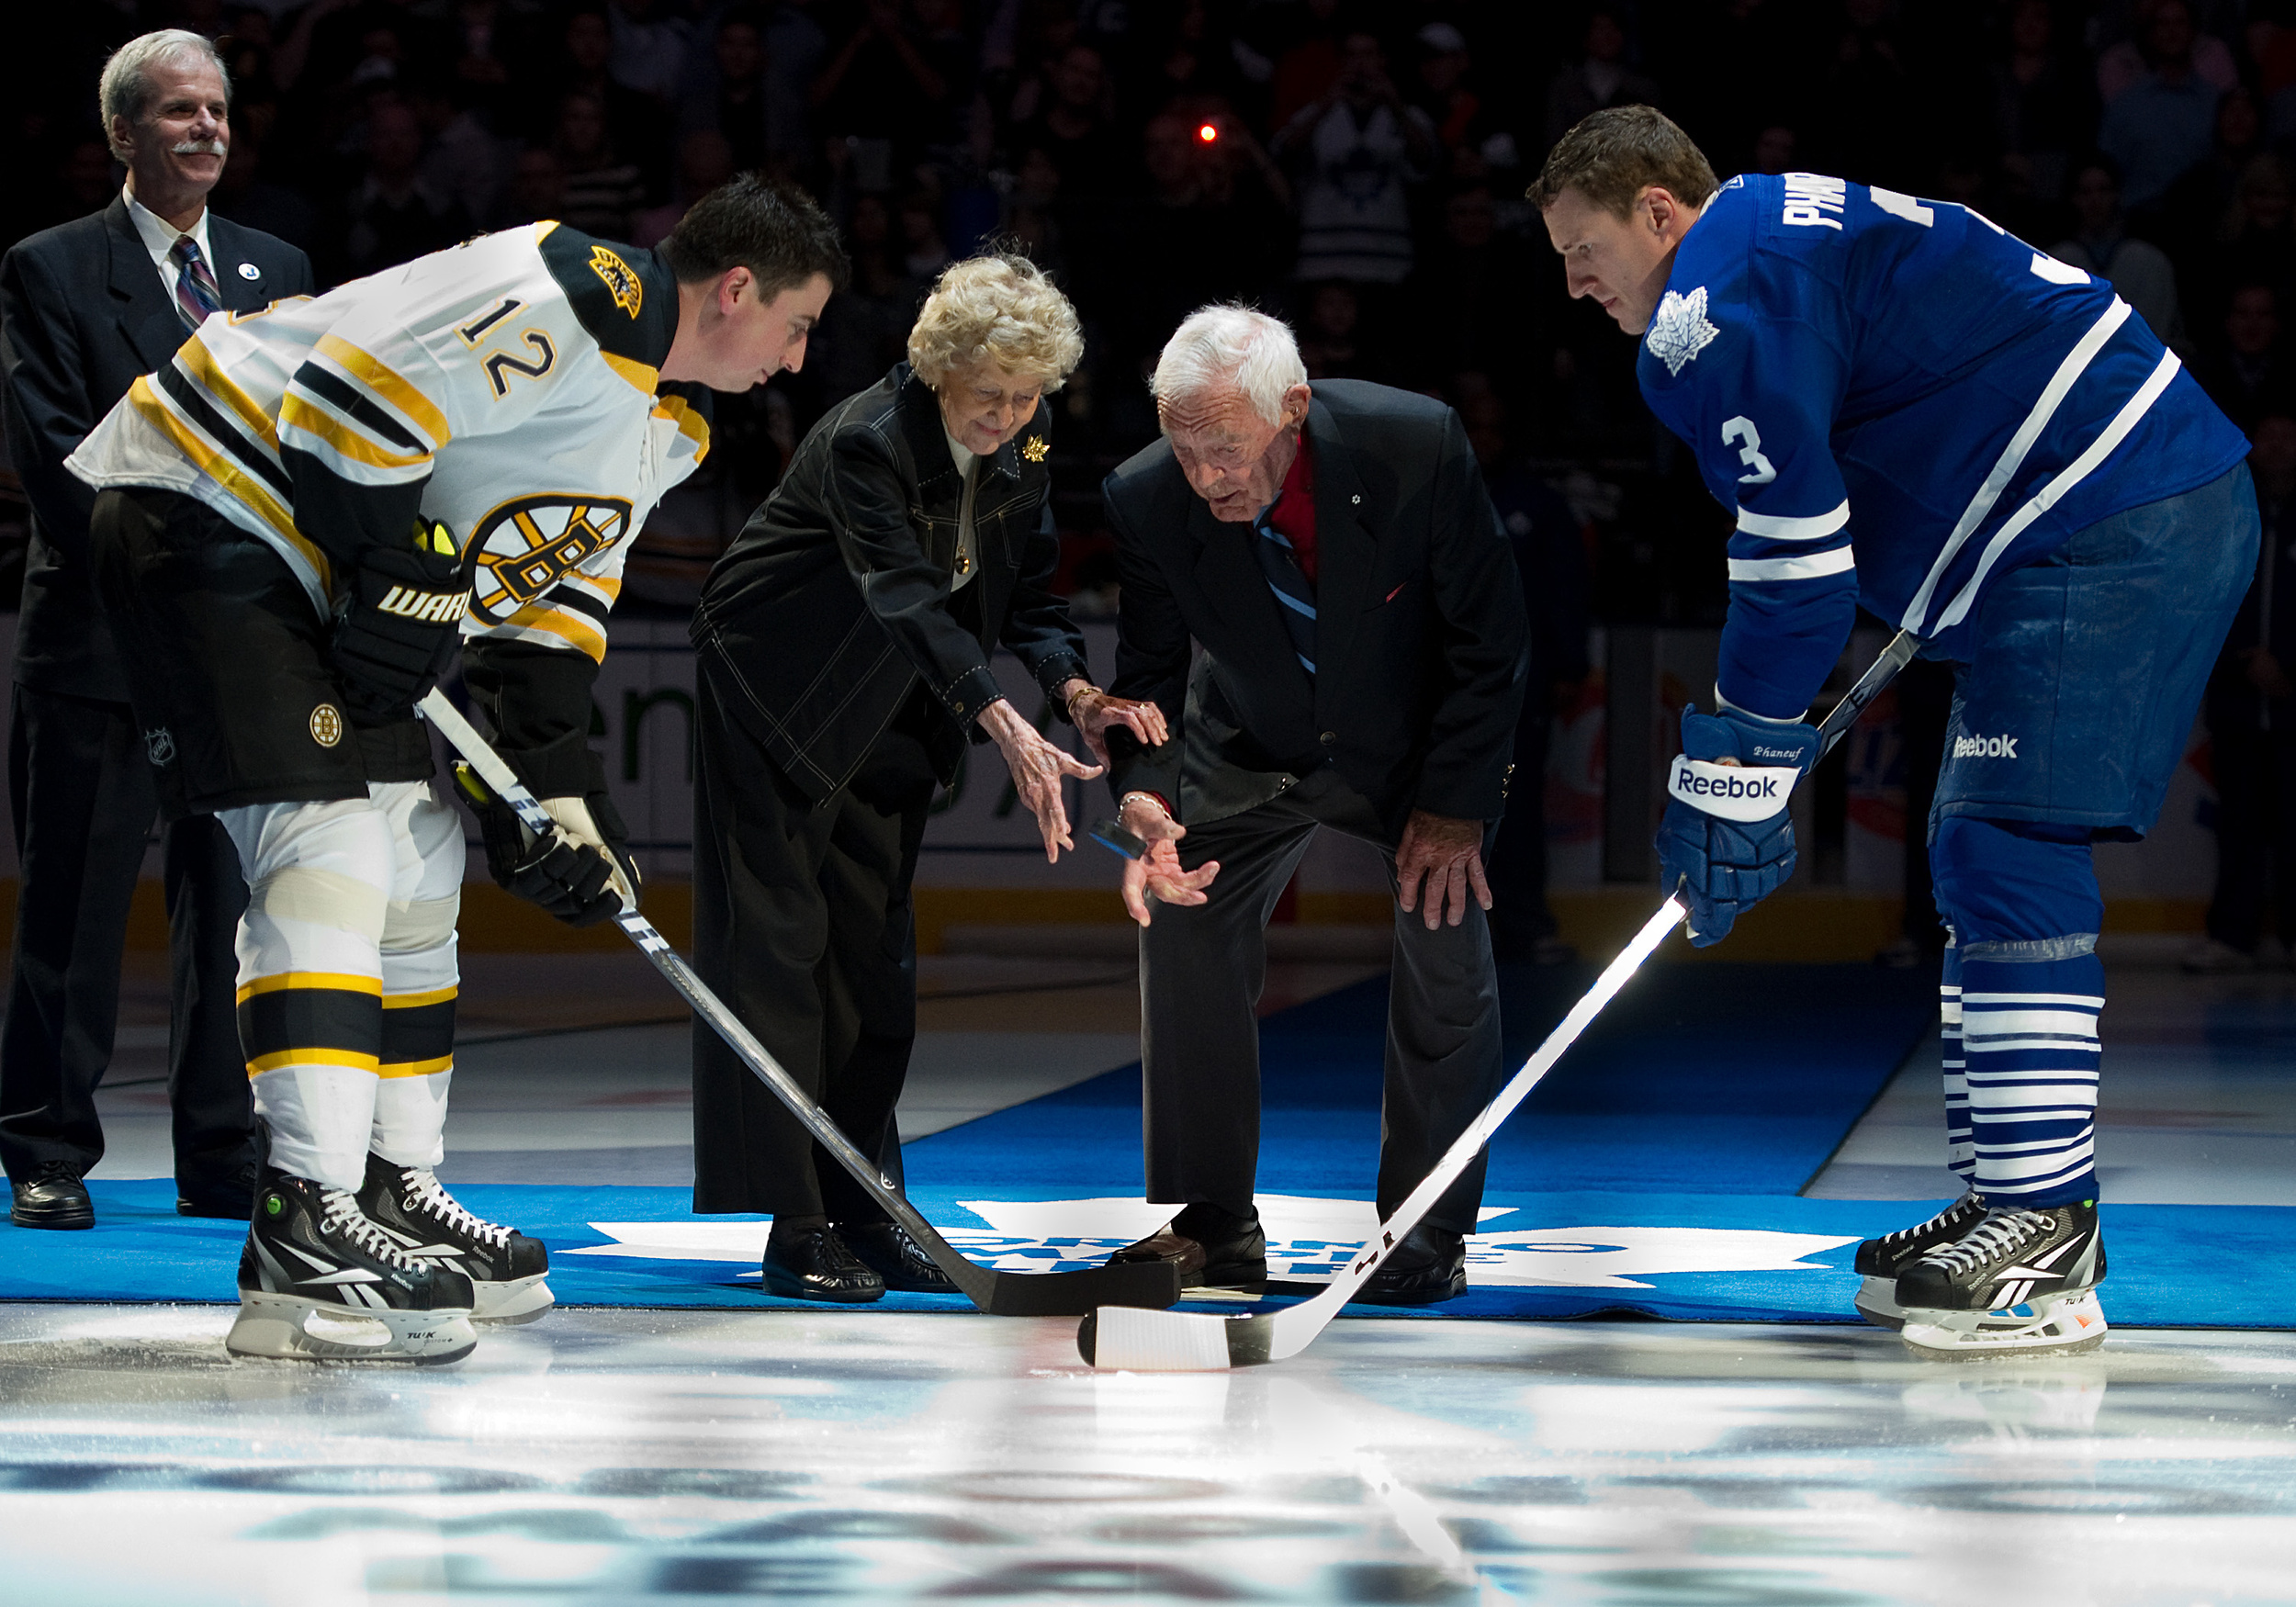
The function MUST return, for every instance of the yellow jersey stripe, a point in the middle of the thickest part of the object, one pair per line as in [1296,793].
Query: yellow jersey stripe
[243,487]
[564,623]
[444,1062]
[415,1001]
[196,361]
[636,372]
[349,1060]
[380,378]
[690,424]
[341,981]
[297,414]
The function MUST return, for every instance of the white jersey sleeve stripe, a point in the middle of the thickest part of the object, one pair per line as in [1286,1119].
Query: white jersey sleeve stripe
[1814,567]
[2053,395]
[1771,527]
[2074,473]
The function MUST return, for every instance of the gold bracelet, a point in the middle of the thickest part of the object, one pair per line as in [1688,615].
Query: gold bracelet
[1070,706]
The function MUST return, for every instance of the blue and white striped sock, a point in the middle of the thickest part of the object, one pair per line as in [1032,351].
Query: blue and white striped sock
[1961,1150]
[2029,1033]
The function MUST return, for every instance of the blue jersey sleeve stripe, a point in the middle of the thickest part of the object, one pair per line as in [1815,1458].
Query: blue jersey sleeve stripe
[1813,565]
[2053,395]
[2080,469]
[1773,527]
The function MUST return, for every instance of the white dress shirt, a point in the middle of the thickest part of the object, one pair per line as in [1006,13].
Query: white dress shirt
[159,237]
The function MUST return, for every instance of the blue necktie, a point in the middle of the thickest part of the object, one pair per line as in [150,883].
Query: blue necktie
[195,294]
[1295,599]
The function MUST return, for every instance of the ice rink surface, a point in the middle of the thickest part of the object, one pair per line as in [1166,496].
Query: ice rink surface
[652,1456]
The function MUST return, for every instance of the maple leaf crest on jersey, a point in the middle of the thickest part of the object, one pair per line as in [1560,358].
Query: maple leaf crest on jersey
[1681,330]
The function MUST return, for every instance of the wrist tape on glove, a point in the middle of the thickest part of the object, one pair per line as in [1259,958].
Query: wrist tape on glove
[1742,792]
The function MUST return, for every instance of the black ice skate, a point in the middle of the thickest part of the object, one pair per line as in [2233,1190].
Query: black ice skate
[311,1253]
[2019,1281]
[1882,1260]
[505,1268]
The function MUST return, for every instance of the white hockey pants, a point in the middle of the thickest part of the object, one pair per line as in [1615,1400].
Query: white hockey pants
[347,977]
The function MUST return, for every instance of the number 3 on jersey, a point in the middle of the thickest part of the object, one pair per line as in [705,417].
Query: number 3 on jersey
[1741,432]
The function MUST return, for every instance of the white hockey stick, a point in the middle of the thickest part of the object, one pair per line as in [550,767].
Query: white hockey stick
[1195,1342]
[1002,1294]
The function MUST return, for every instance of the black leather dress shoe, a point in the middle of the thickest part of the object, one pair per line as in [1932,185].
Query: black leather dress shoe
[53,1198]
[1212,1248]
[814,1263]
[230,1198]
[1430,1264]
[894,1256]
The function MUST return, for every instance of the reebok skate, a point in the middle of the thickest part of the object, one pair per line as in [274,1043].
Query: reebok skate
[429,1226]
[2021,1280]
[1882,1260]
[311,1253]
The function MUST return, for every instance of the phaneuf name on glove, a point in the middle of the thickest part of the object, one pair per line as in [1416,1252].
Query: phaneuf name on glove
[1746,793]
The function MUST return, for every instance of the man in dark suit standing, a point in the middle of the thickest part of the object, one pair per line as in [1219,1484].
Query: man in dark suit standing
[1336,557]
[85,309]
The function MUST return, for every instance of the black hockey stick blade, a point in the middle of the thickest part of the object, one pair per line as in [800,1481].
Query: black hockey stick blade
[1016,1294]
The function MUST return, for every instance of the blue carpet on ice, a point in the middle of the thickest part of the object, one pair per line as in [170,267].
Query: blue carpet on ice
[1655,1171]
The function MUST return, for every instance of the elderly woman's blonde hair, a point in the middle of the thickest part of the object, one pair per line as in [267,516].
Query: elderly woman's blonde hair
[1001,307]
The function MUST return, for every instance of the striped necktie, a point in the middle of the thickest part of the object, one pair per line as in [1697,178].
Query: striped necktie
[195,294]
[1295,598]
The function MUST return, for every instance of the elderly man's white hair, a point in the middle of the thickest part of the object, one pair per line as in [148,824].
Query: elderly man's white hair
[124,90]
[1217,348]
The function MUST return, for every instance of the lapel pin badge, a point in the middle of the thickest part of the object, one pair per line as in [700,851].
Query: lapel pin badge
[250,271]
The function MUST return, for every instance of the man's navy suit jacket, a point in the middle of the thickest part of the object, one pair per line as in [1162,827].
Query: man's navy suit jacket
[84,313]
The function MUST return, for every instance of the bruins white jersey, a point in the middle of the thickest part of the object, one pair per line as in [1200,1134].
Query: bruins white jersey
[505,389]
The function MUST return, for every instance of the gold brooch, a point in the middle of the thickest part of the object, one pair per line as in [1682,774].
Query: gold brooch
[1035,449]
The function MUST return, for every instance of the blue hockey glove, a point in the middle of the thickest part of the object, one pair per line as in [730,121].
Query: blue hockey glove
[1727,842]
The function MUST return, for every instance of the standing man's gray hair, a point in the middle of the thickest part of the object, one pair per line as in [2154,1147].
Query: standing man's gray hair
[124,90]
[1226,346]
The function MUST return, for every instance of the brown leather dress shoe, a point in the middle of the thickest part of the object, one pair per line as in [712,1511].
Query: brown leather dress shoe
[1212,1248]
[1429,1266]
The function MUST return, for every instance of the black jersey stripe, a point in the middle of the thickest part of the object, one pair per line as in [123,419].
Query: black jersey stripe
[351,404]
[222,431]
[575,601]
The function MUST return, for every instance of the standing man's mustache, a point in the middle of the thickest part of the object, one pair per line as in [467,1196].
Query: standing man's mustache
[199,148]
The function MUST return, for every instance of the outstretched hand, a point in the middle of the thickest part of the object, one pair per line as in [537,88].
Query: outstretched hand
[1156,874]
[1447,856]
[1038,769]
[1096,714]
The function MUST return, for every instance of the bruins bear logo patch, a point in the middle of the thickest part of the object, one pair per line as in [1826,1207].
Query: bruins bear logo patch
[621,280]
[326,725]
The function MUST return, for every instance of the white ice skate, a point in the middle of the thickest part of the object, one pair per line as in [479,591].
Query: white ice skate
[319,1282]
[2057,1325]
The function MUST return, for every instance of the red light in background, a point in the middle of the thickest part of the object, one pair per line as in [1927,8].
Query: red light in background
[1208,132]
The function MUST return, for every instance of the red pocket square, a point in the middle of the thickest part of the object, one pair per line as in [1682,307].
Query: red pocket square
[1396,593]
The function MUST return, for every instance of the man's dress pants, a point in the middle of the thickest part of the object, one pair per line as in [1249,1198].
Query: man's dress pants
[82,799]
[1202,969]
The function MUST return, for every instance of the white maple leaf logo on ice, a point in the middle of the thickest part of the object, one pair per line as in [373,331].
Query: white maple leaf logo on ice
[1681,330]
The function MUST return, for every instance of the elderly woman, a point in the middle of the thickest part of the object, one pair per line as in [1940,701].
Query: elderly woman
[843,643]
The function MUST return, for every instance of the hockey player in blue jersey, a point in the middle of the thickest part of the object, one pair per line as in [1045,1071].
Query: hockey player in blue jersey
[1907,407]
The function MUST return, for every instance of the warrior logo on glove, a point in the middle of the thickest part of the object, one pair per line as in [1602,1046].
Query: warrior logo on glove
[524,547]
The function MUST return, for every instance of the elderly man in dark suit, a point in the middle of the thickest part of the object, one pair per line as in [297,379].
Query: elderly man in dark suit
[85,309]
[1336,555]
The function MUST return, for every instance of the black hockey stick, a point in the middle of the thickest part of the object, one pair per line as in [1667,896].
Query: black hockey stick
[1001,1294]
[1195,1342]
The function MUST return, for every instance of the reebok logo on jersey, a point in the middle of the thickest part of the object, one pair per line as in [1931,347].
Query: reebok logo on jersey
[1985,747]
[1680,329]
[621,280]
[436,608]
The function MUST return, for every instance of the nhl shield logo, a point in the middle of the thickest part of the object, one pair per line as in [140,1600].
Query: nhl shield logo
[621,280]
[326,725]
[159,746]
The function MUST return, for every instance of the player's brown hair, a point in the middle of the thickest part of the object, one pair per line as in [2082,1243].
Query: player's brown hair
[1612,156]
[771,228]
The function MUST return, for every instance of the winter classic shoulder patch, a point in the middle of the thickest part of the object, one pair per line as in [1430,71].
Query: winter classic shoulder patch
[1681,329]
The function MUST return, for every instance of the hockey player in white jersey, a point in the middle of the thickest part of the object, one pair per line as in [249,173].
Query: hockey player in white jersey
[296,521]
[1907,407]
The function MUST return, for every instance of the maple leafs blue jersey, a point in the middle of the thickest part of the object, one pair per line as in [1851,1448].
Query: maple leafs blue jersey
[1901,402]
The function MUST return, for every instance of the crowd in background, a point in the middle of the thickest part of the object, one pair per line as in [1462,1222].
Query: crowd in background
[1357,168]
